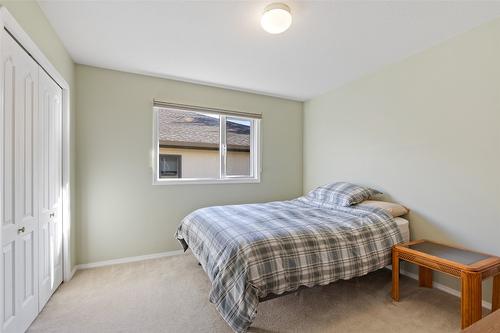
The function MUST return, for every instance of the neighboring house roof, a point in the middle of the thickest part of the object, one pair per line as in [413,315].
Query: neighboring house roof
[194,130]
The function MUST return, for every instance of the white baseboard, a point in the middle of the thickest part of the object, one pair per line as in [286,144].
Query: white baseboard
[439,286]
[73,271]
[127,260]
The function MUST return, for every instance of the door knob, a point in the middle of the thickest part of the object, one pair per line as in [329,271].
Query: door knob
[52,214]
[20,230]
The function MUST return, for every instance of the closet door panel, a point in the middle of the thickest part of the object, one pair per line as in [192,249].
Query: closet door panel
[9,229]
[50,111]
[20,222]
[28,158]
[9,297]
[44,264]
[26,96]
[45,172]
[57,225]
[10,307]
[28,278]
[8,144]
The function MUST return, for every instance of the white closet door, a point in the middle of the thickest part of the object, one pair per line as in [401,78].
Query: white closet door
[50,222]
[19,193]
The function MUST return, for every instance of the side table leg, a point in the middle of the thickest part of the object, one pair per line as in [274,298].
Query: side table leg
[395,276]
[495,304]
[424,277]
[471,298]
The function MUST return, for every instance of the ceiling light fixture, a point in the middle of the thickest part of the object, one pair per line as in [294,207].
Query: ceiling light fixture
[276,18]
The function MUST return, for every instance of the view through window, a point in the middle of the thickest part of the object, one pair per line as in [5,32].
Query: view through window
[196,145]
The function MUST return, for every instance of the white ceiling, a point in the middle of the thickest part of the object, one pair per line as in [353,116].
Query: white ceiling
[221,42]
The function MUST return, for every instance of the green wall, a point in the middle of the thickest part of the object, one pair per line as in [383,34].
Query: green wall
[29,15]
[426,131]
[120,212]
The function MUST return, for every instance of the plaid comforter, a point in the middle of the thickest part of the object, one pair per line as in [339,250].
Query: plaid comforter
[249,251]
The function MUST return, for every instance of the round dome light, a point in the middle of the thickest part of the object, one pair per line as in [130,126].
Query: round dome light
[276,18]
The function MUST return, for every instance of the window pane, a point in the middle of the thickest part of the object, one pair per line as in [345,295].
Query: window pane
[170,166]
[238,146]
[195,138]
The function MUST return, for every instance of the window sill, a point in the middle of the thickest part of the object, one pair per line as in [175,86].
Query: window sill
[206,181]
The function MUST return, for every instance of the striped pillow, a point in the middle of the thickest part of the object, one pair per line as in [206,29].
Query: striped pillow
[340,194]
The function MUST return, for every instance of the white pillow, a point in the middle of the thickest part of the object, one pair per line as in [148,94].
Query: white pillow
[393,208]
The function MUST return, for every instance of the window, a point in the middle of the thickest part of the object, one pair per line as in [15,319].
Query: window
[204,145]
[170,166]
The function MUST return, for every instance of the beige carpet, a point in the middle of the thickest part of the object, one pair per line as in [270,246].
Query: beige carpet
[171,295]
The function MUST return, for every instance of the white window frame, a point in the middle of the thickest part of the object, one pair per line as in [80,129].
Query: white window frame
[255,152]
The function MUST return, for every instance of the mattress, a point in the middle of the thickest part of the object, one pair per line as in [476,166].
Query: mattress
[404,228]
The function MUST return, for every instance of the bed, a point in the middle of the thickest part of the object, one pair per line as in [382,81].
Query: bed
[404,228]
[253,251]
